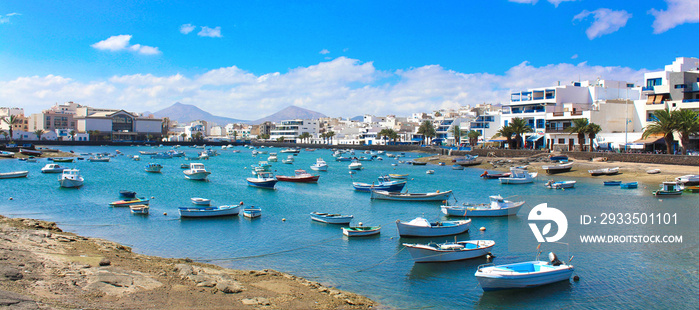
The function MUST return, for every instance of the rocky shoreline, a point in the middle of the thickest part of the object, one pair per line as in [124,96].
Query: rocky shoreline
[42,267]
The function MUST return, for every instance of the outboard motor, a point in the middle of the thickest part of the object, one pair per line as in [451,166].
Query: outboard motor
[554,260]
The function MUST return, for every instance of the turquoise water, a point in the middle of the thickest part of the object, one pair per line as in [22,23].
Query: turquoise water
[285,239]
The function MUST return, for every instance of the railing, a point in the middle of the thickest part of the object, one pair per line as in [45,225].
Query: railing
[691,100]
[577,113]
[558,114]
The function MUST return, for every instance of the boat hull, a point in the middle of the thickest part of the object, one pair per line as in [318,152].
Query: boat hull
[427,254]
[209,211]
[252,212]
[269,184]
[464,211]
[69,183]
[319,168]
[306,179]
[360,231]
[330,219]
[199,176]
[364,187]
[491,281]
[385,195]
[446,228]
[16,174]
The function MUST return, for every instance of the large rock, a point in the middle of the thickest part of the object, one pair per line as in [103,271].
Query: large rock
[10,300]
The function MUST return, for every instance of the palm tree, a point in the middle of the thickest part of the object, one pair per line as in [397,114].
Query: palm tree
[686,124]
[235,134]
[72,135]
[184,136]
[38,133]
[426,129]
[386,134]
[592,130]
[519,127]
[473,136]
[394,136]
[507,132]
[280,139]
[457,132]
[304,136]
[662,123]
[11,121]
[330,135]
[580,127]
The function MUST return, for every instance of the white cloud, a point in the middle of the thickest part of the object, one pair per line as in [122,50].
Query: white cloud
[187,28]
[324,52]
[574,56]
[524,1]
[533,2]
[5,19]
[121,42]
[210,32]
[340,87]
[679,12]
[557,2]
[606,21]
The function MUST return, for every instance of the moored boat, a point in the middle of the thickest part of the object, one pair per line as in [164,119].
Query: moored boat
[689,180]
[629,185]
[560,184]
[53,168]
[7,154]
[398,176]
[252,212]
[200,201]
[139,209]
[450,251]
[361,231]
[330,218]
[14,174]
[207,211]
[30,152]
[518,176]
[487,175]
[384,184]
[196,172]
[299,176]
[522,275]
[355,165]
[262,180]
[99,159]
[129,202]
[457,167]
[432,196]
[420,227]
[63,159]
[153,167]
[320,165]
[71,178]
[668,189]
[498,206]
[612,183]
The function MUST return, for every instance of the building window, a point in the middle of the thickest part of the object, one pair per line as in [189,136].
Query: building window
[653,82]
[677,86]
[561,141]
[122,123]
[540,123]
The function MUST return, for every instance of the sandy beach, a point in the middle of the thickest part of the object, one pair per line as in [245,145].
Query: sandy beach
[42,267]
[628,171]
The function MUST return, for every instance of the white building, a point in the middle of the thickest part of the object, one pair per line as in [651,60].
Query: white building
[120,125]
[290,130]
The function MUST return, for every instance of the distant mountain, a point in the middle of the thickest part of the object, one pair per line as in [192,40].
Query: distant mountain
[290,112]
[358,118]
[184,113]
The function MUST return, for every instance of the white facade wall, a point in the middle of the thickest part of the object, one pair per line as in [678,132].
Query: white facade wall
[148,126]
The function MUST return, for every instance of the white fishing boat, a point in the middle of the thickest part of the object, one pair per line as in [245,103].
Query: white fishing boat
[498,206]
[263,180]
[523,275]
[604,171]
[355,165]
[320,165]
[71,178]
[288,160]
[558,168]
[14,174]
[688,180]
[430,172]
[252,212]
[420,227]
[153,167]
[196,172]
[139,209]
[560,184]
[272,158]
[207,211]
[361,231]
[518,176]
[331,218]
[99,159]
[53,168]
[136,158]
[433,196]
[450,251]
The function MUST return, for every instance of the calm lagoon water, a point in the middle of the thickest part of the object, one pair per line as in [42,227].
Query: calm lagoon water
[633,276]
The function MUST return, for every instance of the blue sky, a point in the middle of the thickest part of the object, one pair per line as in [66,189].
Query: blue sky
[247,59]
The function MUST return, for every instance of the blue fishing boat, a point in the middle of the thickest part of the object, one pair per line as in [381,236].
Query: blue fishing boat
[612,183]
[629,185]
[263,180]
[522,275]
[384,184]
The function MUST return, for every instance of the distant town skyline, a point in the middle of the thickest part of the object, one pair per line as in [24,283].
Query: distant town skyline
[247,60]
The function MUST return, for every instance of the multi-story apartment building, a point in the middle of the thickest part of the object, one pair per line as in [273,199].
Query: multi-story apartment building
[676,87]
[60,116]
[290,130]
[21,125]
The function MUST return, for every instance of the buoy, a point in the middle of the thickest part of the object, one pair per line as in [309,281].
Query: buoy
[482,228]
[165,213]
[10,198]
[576,278]
[153,197]
[240,203]
[359,224]
[284,219]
